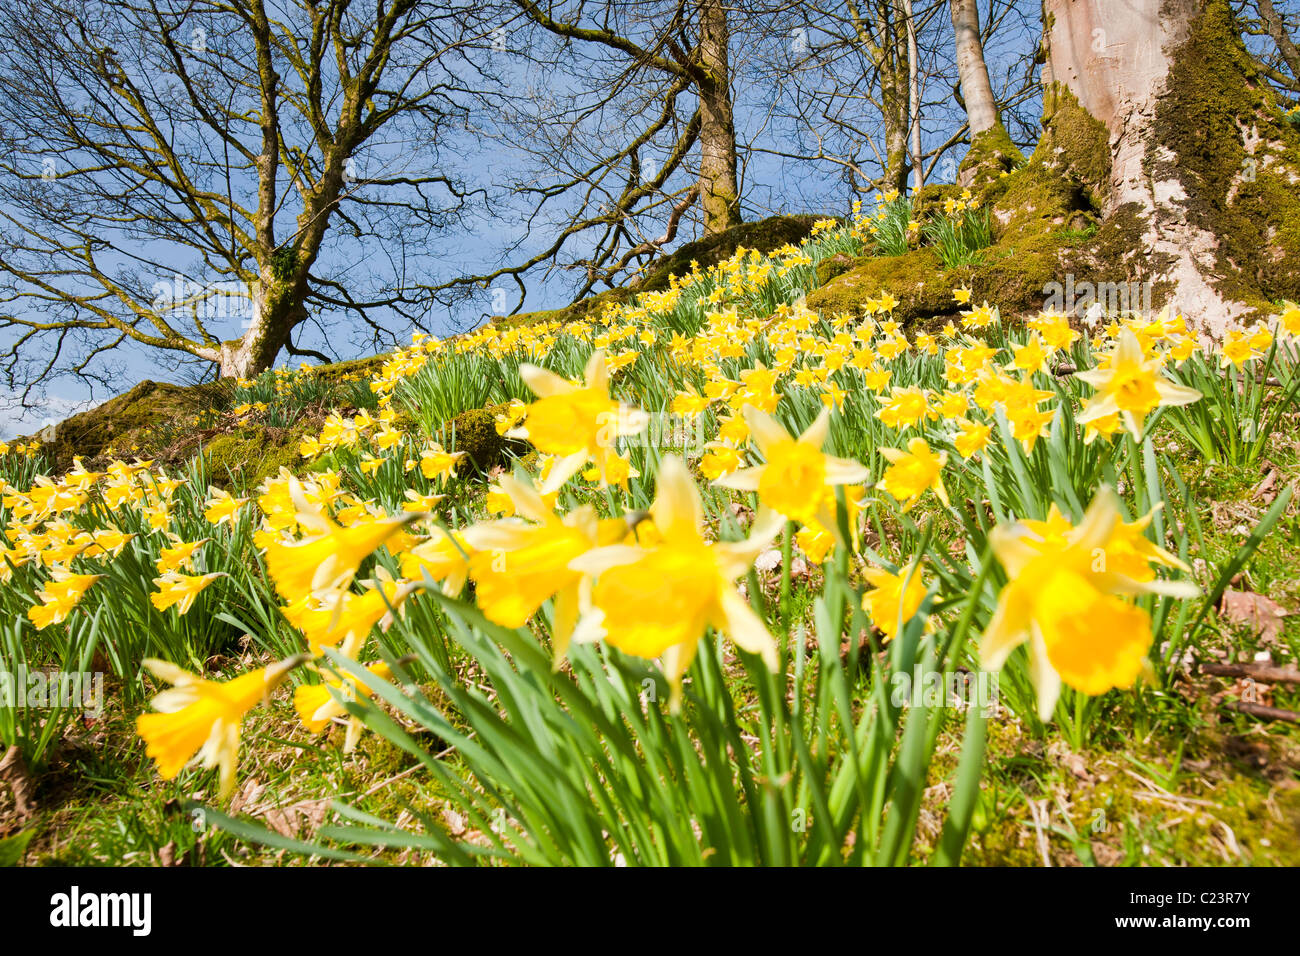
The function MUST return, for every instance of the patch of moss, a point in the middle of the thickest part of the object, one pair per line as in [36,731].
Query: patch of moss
[342,371]
[1249,199]
[113,428]
[1075,143]
[991,154]
[241,460]
[1116,253]
[836,265]
[476,435]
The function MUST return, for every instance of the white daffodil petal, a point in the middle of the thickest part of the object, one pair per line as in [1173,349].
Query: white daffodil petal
[1046,681]
[544,382]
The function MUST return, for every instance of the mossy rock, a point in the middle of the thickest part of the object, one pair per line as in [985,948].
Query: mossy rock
[242,459]
[113,428]
[474,432]
[354,368]
[765,235]
[836,265]
[915,278]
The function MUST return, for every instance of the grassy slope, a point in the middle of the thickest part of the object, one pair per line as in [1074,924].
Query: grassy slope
[1165,780]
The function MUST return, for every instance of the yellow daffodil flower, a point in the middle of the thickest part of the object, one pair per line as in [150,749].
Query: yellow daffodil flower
[913,472]
[59,596]
[893,599]
[795,473]
[201,719]
[1131,384]
[657,601]
[330,558]
[180,590]
[1065,598]
[579,423]
[319,704]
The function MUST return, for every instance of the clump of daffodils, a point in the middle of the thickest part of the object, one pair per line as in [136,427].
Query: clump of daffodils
[561,549]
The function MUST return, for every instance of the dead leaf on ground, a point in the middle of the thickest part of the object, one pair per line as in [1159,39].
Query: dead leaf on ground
[302,817]
[246,796]
[1105,854]
[1263,615]
[1266,491]
[1071,761]
[455,822]
[13,771]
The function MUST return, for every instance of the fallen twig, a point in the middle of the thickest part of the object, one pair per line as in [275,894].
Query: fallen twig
[1260,672]
[1265,713]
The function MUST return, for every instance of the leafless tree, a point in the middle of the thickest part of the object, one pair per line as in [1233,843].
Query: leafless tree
[1279,25]
[619,129]
[168,167]
[872,87]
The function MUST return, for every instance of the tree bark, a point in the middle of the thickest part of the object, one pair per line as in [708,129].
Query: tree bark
[1200,160]
[276,311]
[719,188]
[976,90]
[914,97]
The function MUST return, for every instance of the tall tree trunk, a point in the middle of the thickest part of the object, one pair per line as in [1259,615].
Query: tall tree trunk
[719,188]
[976,90]
[991,150]
[914,97]
[892,67]
[881,39]
[1203,169]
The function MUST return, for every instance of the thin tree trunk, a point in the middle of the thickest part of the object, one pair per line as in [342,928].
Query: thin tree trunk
[893,96]
[719,188]
[914,97]
[976,90]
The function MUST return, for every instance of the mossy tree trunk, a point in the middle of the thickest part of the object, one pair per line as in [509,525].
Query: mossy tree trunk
[882,30]
[894,98]
[992,151]
[1203,171]
[719,188]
